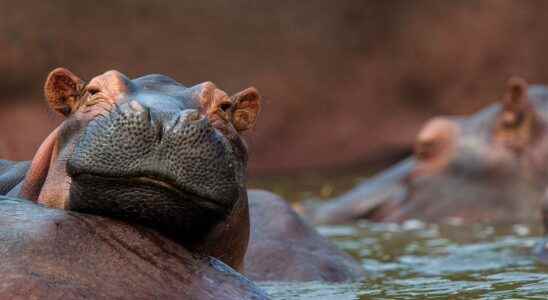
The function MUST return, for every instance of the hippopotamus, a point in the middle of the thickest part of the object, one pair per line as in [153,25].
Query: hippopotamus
[147,151]
[489,167]
[153,153]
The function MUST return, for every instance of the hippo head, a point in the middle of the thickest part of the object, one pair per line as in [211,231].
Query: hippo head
[489,167]
[150,151]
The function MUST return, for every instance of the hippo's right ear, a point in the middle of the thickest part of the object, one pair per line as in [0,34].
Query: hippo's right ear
[245,108]
[517,122]
[62,90]
[515,103]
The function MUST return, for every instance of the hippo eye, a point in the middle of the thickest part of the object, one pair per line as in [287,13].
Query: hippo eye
[92,90]
[225,106]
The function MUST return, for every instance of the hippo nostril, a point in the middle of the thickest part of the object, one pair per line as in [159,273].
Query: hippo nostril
[136,106]
[436,137]
[185,118]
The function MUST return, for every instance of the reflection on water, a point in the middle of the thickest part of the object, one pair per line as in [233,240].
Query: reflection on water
[415,260]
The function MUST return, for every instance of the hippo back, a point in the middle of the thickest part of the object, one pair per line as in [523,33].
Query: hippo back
[55,254]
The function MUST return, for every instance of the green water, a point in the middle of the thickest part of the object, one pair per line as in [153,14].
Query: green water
[415,260]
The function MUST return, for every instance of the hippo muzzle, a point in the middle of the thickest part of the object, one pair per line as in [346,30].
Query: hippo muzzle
[161,166]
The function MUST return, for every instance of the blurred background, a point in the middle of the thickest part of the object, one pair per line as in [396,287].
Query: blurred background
[345,84]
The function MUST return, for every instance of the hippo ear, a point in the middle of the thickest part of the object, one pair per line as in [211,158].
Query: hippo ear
[62,90]
[516,122]
[515,103]
[245,108]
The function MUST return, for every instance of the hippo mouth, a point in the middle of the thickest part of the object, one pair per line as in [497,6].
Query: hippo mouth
[156,183]
[149,201]
[173,188]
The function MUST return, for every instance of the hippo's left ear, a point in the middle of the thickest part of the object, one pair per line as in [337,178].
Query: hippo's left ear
[62,90]
[245,108]
[517,121]
[515,103]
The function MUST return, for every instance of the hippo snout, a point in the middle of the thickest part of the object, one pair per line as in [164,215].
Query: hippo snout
[167,169]
[177,147]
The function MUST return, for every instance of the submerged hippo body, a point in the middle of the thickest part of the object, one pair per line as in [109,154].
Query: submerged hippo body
[150,152]
[283,247]
[55,254]
[490,167]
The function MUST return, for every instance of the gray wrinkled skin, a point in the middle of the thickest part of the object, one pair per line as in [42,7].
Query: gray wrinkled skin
[167,139]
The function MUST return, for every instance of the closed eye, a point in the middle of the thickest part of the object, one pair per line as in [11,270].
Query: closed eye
[225,106]
[92,90]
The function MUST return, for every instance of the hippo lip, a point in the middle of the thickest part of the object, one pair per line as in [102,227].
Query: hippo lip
[157,182]
[163,184]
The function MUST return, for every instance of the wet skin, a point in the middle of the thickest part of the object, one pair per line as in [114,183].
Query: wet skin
[151,152]
[490,167]
[278,234]
[56,254]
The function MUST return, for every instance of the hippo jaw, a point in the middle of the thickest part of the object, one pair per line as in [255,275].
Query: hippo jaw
[181,215]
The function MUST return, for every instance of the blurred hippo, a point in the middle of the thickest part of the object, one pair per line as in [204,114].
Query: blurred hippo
[147,151]
[490,167]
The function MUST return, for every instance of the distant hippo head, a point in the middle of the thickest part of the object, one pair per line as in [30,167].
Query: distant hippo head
[488,167]
[148,150]
[491,166]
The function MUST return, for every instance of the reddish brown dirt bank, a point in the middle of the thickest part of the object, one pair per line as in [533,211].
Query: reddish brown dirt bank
[343,81]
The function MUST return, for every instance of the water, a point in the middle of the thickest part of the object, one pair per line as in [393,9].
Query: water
[416,260]
[427,261]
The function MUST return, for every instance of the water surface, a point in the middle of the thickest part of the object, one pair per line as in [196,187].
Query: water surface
[416,260]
